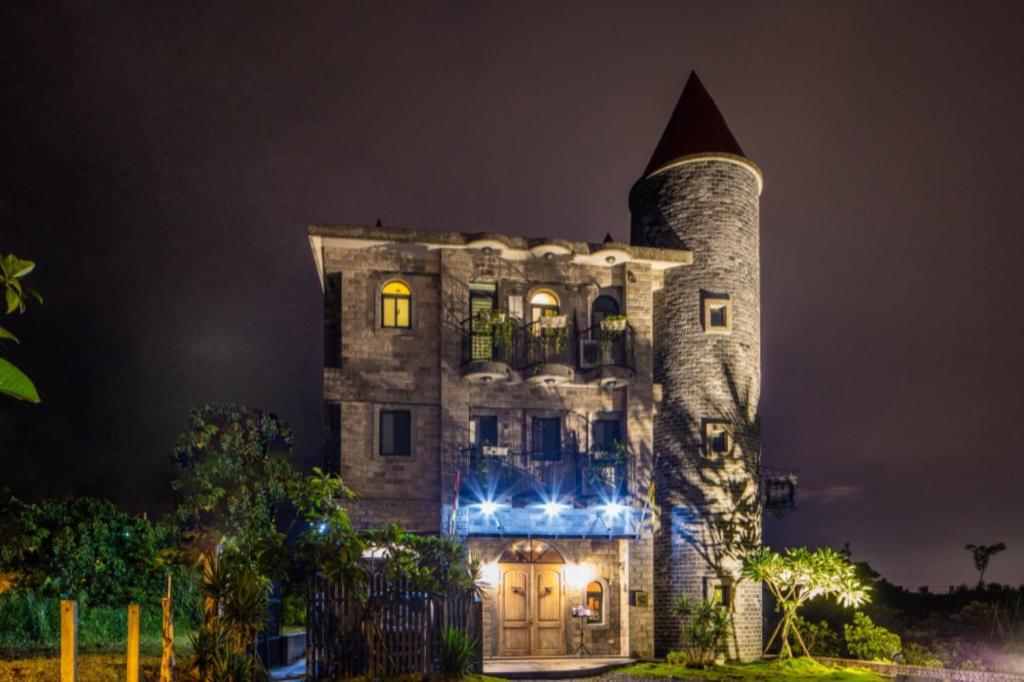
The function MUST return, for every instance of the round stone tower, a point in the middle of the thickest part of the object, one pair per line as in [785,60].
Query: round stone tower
[700,193]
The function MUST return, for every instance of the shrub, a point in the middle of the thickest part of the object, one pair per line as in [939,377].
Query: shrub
[917,654]
[80,546]
[704,631]
[870,642]
[458,654]
[293,608]
[820,638]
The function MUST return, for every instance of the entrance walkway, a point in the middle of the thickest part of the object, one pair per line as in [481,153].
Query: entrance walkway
[552,667]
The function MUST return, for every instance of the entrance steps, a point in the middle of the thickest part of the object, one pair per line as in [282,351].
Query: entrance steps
[552,667]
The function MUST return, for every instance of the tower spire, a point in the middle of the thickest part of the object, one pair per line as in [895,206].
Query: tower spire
[696,127]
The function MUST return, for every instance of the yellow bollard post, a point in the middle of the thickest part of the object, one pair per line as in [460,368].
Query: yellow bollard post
[167,637]
[68,640]
[133,643]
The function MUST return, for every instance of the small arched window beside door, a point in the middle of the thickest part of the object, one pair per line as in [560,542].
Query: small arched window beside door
[595,602]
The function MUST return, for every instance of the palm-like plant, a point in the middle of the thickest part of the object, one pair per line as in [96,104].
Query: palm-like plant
[982,553]
[798,576]
[457,654]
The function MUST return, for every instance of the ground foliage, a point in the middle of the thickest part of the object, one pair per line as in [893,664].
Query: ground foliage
[790,669]
[705,627]
[870,642]
[958,627]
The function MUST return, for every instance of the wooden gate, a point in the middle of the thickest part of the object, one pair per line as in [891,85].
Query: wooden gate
[394,631]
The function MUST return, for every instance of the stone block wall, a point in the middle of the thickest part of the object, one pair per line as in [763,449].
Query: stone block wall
[709,206]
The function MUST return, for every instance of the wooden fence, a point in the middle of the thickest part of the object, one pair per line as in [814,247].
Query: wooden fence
[395,630]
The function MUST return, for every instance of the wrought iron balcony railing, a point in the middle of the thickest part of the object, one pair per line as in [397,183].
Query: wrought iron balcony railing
[608,346]
[528,477]
[498,339]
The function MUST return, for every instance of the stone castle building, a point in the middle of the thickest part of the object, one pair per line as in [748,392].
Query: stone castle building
[583,415]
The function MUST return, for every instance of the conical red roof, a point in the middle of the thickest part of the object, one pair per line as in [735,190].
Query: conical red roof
[696,127]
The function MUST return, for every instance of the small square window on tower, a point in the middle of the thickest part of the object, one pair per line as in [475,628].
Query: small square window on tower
[717,315]
[717,439]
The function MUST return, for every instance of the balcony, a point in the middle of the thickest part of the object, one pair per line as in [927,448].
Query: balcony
[549,351]
[559,493]
[529,478]
[607,353]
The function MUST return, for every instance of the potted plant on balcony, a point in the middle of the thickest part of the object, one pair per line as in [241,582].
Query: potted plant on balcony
[494,450]
[553,322]
[614,325]
[499,326]
[612,454]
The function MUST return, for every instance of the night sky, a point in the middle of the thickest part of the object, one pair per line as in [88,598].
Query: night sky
[161,162]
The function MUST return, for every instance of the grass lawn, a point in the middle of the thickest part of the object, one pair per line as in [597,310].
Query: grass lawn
[91,668]
[794,669]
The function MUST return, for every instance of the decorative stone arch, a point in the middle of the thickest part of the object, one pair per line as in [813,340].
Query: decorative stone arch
[538,294]
[531,551]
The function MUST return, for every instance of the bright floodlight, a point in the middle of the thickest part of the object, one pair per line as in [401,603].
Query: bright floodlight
[488,507]
[553,508]
[612,508]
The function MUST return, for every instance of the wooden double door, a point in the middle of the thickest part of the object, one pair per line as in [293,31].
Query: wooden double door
[532,610]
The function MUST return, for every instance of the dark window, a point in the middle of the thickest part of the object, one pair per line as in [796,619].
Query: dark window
[607,434]
[719,594]
[395,432]
[603,306]
[718,439]
[718,316]
[547,438]
[485,430]
[595,601]
[332,319]
[332,437]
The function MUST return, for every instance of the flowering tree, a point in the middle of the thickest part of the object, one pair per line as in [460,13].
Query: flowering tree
[798,576]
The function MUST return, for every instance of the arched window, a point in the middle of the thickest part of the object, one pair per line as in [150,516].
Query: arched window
[603,306]
[396,305]
[595,602]
[544,303]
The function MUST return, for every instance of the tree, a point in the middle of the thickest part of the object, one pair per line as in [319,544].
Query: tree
[982,554]
[799,576]
[13,381]
[81,547]
[234,473]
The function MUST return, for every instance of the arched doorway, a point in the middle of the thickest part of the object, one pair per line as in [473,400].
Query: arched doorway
[531,597]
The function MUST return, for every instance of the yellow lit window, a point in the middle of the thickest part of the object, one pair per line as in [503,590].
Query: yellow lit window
[544,304]
[595,602]
[396,305]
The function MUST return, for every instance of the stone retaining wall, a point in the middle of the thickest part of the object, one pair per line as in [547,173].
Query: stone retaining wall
[898,671]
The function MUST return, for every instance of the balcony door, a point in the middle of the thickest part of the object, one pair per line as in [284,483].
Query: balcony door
[483,298]
[532,601]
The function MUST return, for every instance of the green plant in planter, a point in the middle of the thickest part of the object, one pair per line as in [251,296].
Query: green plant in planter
[498,325]
[616,452]
[614,326]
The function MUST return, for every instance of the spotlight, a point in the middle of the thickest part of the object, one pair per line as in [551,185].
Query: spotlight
[489,507]
[612,509]
[490,575]
[553,508]
[578,575]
